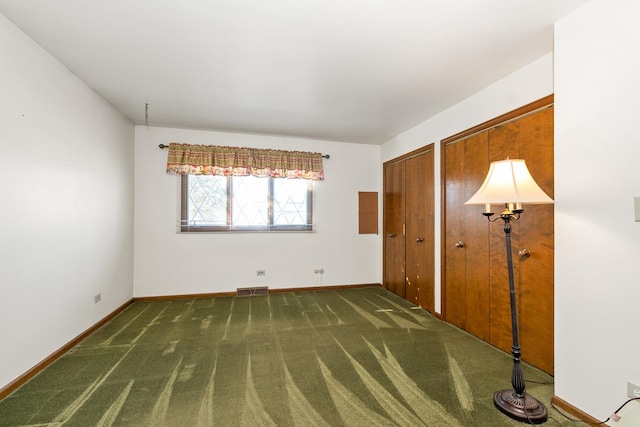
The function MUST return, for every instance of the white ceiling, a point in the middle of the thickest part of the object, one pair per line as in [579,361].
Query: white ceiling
[345,70]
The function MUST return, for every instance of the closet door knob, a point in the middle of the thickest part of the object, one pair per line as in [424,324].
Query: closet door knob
[392,235]
[524,253]
[419,240]
[459,245]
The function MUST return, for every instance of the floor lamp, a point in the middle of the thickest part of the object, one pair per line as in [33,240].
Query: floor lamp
[509,183]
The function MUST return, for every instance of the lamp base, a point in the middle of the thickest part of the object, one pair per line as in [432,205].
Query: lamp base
[526,409]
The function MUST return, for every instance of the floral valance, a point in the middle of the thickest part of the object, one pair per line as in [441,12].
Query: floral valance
[189,159]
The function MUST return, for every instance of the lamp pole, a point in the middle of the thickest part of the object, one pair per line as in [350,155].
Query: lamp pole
[515,402]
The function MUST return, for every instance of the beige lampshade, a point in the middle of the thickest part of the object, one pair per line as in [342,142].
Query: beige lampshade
[509,181]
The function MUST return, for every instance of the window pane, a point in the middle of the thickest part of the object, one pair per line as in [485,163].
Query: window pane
[290,201]
[250,201]
[207,200]
[245,203]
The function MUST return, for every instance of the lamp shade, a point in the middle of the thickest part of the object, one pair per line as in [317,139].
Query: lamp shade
[509,181]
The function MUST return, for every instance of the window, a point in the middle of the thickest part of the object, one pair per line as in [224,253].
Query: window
[245,203]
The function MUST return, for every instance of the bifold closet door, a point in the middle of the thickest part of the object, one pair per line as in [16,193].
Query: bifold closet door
[394,217]
[476,287]
[419,240]
[466,269]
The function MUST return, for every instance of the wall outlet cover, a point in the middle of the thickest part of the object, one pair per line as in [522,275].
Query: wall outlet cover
[633,390]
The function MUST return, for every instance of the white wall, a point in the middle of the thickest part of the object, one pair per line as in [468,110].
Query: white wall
[66,213]
[524,86]
[171,263]
[597,129]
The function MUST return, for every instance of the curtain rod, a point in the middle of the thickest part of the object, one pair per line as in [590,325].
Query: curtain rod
[326,156]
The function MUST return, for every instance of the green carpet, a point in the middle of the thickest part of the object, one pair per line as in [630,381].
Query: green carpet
[354,357]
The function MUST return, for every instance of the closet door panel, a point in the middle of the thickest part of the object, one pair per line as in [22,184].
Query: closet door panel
[476,238]
[419,241]
[536,309]
[394,214]
[455,295]
[466,257]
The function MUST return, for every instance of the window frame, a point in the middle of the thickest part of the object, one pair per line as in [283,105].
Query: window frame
[185,227]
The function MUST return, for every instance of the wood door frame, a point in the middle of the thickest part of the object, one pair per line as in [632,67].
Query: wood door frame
[525,110]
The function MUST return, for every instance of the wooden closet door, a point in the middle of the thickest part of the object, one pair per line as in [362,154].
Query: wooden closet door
[466,270]
[394,215]
[478,300]
[419,241]
[529,138]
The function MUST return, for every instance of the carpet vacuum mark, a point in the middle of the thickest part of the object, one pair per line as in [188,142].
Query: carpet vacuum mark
[352,357]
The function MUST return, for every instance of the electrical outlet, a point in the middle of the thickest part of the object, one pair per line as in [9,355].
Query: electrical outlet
[261,273]
[97,297]
[316,271]
[633,390]
[321,271]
